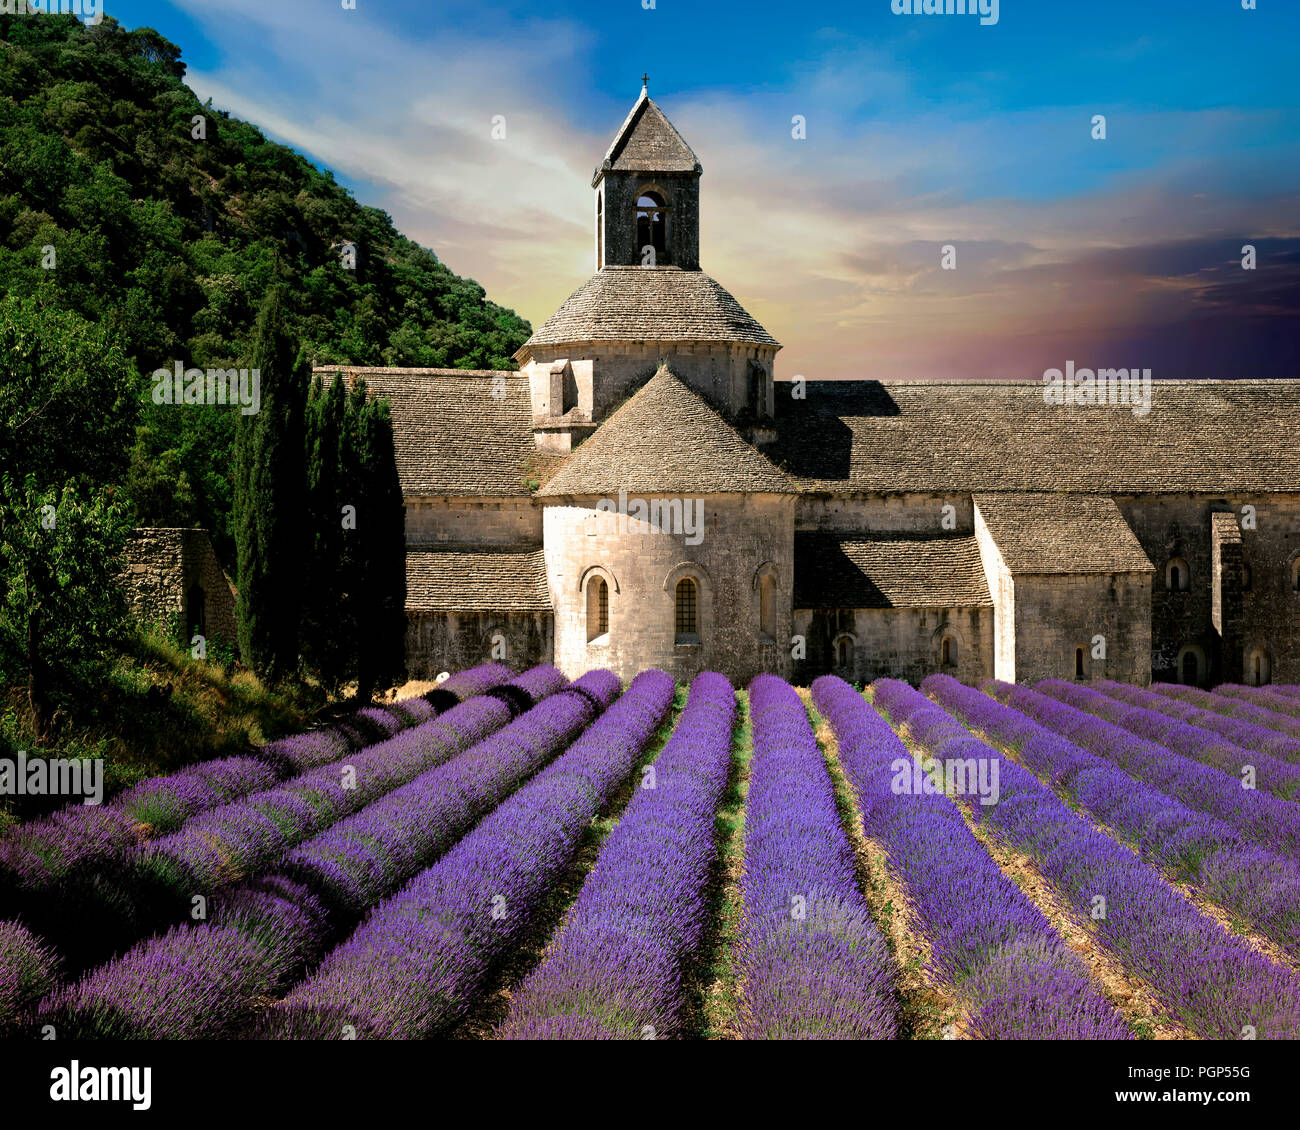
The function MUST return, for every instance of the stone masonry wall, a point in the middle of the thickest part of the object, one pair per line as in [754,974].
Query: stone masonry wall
[898,643]
[162,567]
[452,641]
[741,534]
[1171,526]
[1057,614]
[473,521]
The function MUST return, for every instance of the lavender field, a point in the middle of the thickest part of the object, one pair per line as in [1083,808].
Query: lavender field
[525,856]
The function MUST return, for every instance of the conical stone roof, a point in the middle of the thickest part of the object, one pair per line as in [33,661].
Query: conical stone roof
[666,440]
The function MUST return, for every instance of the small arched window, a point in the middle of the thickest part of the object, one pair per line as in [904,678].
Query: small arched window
[1177,575]
[651,224]
[1259,668]
[1078,663]
[1295,575]
[947,652]
[1247,577]
[600,230]
[597,608]
[767,606]
[844,653]
[687,611]
[1189,668]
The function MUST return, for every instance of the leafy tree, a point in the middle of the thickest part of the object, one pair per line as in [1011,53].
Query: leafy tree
[62,610]
[270,491]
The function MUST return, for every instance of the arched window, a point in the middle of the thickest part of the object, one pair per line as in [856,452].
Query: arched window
[687,611]
[600,230]
[651,224]
[1177,575]
[1259,668]
[947,652]
[1078,663]
[767,606]
[844,653]
[1295,575]
[1189,668]
[1247,577]
[597,608]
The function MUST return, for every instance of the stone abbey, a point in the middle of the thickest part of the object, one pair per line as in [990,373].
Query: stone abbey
[863,527]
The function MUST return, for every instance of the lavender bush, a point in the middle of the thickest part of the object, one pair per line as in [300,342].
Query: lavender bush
[813,964]
[1262,696]
[615,969]
[1238,731]
[1180,737]
[196,981]
[1254,884]
[1267,820]
[224,844]
[1018,977]
[1229,707]
[1211,981]
[28,970]
[363,858]
[42,853]
[419,960]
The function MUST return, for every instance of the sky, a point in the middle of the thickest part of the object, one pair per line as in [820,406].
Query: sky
[923,132]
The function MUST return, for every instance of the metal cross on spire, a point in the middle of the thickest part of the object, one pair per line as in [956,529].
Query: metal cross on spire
[645,81]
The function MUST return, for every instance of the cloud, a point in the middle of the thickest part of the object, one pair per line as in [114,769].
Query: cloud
[833,242]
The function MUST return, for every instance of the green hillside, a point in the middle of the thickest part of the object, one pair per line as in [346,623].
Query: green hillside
[170,243]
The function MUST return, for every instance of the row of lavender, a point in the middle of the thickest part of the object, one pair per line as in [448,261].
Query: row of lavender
[1189,845]
[1211,981]
[90,935]
[419,960]
[43,852]
[1013,973]
[181,984]
[1134,710]
[615,971]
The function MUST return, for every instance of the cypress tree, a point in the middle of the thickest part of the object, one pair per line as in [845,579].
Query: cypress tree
[327,627]
[270,492]
[380,597]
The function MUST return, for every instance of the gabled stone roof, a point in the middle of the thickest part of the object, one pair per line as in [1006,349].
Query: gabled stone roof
[648,142]
[665,440]
[477,579]
[1200,436]
[1061,533]
[453,436]
[887,570]
[648,304]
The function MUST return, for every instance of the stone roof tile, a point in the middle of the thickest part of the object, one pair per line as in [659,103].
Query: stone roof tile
[956,436]
[665,440]
[1061,533]
[453,436]
[887,570]
[648,304]
[648,142]
[476,579]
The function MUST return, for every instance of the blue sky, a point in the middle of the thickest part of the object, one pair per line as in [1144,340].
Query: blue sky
[922,131]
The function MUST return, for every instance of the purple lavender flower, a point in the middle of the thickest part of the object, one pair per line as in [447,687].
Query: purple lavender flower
[419,960]
[1260,887]
[1179,736]
[615,969]
[986,938]
[28,970]
[1268,820]
[1213,982]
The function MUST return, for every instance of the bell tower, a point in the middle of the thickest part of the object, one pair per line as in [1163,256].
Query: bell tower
[648,194]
